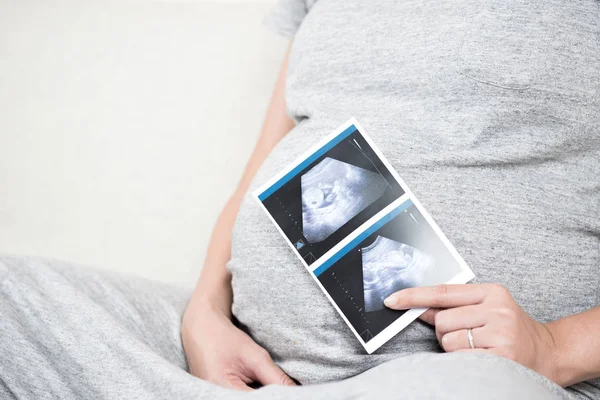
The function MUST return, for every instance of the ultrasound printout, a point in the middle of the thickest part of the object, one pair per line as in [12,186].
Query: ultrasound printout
[330,193]
[360,232]
[334,192]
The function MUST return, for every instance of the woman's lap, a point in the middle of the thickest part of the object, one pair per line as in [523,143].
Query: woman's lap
[68,332]
[439,376]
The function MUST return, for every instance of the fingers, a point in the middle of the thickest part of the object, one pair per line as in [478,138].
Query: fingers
[429,315]
[441,296]
[271,374]
[454,319]
[483,338]
[268,373]
[236,383]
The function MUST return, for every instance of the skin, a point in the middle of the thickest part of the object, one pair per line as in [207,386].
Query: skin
[566,351]
[216,350]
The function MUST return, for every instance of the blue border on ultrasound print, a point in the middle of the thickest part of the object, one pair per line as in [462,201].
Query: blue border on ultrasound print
[356,241]
[297,169]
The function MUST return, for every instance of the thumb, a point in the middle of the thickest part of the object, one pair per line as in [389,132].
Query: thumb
[236,383]
[268,373]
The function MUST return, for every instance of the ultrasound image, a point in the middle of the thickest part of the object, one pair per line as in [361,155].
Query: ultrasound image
[319,205]
[401,250]
[333,192]
[390,266]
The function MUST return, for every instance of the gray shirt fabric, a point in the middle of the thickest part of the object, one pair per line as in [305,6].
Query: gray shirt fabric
[488,109]
[70,333]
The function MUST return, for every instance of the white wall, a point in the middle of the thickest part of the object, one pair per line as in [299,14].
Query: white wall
[215,1]
[125,126]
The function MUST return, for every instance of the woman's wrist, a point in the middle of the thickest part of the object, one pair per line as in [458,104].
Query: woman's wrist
[549,355]
[560,371]
[206,305]
[213,293]
[574,347]
[202,308]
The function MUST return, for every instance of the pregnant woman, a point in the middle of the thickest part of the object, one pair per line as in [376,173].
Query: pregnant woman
[488,109]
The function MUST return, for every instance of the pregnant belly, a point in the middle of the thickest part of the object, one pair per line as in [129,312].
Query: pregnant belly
[502,219]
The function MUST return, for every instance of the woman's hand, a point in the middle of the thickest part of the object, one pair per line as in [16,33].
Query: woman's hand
[216,350]
[498,325]
[219,352]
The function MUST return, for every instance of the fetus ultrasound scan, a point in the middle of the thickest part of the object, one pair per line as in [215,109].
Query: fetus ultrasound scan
[360,232]
[331,194]
[404,252]
[389,266]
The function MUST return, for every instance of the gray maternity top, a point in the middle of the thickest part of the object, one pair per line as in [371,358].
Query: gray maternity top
[490,112]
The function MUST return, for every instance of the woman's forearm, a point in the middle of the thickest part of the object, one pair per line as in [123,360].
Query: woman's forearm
[213,290]
[577,347]
[214,286]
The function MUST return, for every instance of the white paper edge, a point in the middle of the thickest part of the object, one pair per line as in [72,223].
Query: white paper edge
[464,276]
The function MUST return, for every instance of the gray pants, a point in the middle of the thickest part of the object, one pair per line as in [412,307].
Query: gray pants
[72,333]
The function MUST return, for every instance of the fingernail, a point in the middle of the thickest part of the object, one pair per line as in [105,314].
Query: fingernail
[391,300]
